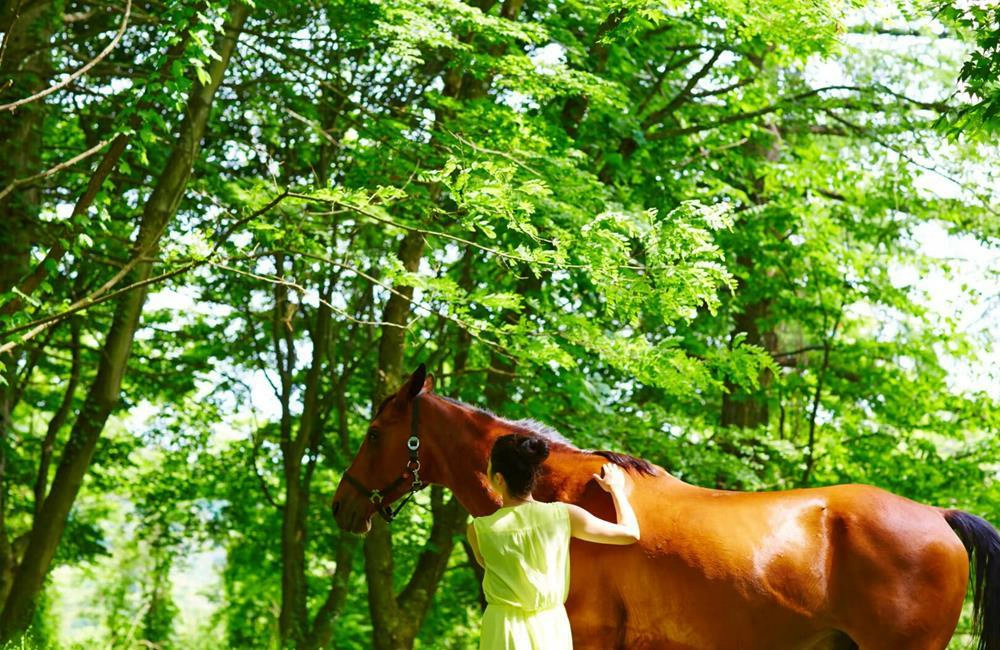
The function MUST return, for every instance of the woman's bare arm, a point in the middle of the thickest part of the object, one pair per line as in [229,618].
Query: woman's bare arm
[588,527]
[470,532]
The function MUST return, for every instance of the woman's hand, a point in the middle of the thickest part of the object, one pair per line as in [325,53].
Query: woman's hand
[612,478]
[586,526]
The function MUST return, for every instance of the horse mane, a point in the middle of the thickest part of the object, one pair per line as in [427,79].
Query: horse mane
[627,462]
[558,440]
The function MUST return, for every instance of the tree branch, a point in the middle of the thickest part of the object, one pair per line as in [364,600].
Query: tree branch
[21,182]
[79,73]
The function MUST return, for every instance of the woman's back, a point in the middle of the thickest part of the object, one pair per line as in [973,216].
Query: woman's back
[526,552]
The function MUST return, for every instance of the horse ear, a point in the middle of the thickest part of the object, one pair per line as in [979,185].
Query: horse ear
[416,382]
[428,384]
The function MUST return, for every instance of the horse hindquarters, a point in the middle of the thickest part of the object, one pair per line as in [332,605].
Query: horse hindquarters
[982,542]
[899,572]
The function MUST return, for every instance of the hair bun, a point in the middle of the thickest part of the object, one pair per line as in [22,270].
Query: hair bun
[534,449]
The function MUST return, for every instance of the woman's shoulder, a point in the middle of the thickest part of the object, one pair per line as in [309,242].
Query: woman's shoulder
[555,508]
[531,509]
[561,509]
[552,511]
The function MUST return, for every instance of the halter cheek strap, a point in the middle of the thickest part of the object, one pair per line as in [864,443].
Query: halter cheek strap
[412,464]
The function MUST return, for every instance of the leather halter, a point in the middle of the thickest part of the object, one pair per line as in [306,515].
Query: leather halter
[413,465]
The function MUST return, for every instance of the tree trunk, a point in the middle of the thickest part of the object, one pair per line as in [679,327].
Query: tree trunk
[26,65]
[396,620]
[387,621]
[743,407]
[104,391]
[293,619]
[322,631]
[502,368]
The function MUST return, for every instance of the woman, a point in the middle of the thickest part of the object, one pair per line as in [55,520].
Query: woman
[524,547]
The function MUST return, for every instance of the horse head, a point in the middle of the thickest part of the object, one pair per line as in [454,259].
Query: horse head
[388,464]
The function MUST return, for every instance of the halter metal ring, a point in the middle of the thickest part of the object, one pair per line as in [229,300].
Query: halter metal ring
[413,443]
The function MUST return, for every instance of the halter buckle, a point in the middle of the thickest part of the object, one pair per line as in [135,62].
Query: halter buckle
[376,497]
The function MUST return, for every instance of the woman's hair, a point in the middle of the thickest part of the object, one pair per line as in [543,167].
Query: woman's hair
[519,458]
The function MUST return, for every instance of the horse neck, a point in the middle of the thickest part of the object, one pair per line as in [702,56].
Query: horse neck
[462,456]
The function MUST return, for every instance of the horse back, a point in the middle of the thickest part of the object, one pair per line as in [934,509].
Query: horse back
[782,568]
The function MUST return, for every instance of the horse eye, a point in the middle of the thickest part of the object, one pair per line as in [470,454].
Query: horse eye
[372,434]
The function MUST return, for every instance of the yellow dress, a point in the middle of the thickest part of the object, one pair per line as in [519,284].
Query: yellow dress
[526,552]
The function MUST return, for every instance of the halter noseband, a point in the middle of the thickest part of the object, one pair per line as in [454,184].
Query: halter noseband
[413,465]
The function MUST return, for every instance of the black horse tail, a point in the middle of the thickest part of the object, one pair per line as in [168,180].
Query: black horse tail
[982,541]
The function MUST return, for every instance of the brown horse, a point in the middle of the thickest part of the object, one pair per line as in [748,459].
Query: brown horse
[849,566]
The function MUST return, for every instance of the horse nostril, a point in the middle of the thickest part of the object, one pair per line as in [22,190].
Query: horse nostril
[336,507]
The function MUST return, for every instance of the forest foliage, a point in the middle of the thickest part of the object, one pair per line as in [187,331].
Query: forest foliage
[696,232]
